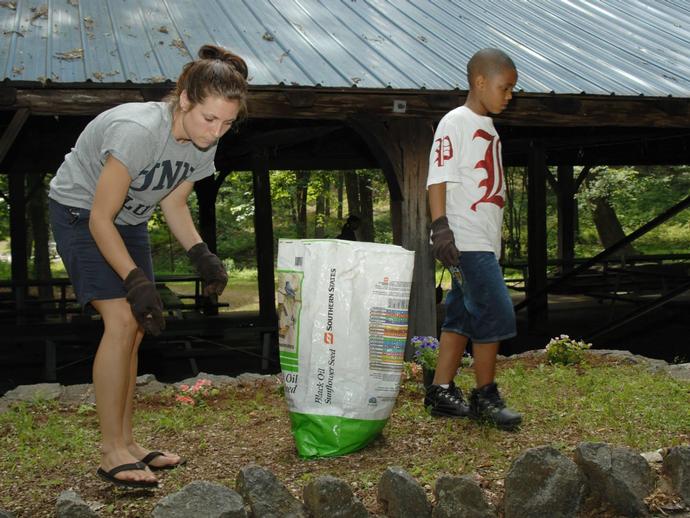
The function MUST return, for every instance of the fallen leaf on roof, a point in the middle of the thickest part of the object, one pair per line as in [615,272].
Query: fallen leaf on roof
[98,75]
[9,5]
[17,70]
[70,55]
[7,33]
[163,29]
[88,23]
[268,36]
[73,3]
[156,79]
[179,45]
[283,56]
[40,11]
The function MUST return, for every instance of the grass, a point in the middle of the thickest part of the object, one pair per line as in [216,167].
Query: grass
[46,448]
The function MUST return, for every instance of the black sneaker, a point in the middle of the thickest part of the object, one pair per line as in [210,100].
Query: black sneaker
[486,405]
[446,402]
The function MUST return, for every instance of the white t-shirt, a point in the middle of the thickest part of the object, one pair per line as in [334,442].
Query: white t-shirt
[466,154]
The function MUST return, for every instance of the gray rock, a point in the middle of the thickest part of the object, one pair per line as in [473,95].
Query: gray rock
[151,388]
[216,379]
[679,371]
[401,495]
[251,377]
[5,514]
[40,391]
[201,499]
[266,496]
[624,356]
[330,497]
[70,505]
[618,476]
[145,379]
[78,394]
[677,467]
[654,365]
[543,482]
[460,497]
[653,456]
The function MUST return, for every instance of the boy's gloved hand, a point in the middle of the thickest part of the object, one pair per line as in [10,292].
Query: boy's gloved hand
[443,243]
[210,268]
[147,306]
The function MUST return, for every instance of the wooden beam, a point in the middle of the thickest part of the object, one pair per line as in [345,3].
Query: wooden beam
[10,134]
[405,146]
[343,103]
[537,308]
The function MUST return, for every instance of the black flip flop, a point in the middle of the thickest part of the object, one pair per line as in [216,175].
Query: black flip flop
[155,454]
[109,476]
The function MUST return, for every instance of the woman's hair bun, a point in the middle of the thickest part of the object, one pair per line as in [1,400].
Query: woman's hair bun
[215,52]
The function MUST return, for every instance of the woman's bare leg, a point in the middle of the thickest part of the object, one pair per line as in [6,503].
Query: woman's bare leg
[111,380]
[137,451]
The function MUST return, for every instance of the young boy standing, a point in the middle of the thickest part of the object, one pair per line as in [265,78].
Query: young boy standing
[466,198]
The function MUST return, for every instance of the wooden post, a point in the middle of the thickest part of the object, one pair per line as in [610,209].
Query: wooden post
[263,232]
[566,216]
[537,308]
[206,192]
[18,241]
[402,146]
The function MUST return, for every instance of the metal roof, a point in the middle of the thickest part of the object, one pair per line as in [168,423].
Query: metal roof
[621,47]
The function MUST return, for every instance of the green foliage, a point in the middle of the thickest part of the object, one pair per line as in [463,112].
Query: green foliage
[565,350]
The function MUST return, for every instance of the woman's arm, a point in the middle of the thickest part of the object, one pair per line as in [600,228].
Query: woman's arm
[111,192]
[178,217]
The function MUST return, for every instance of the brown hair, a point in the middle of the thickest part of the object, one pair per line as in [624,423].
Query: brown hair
[216,72]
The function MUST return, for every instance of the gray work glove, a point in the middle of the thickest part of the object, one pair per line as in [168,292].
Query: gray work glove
[443,243]
[210,269]
[145,301]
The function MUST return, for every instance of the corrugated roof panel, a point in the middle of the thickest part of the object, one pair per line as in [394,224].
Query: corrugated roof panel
[622,47]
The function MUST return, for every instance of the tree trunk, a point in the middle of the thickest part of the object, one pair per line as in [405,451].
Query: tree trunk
[366,208]
[341,187]
[302,180]
[609,227]
[352,189]
[327,196]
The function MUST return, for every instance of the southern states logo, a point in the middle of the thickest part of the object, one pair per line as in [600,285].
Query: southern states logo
[493,183]
[328,335]
[443,151]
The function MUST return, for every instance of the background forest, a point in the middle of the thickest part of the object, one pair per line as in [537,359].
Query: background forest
[315,204]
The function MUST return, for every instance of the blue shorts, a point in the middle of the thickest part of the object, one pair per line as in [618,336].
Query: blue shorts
[480,308]
[91,275]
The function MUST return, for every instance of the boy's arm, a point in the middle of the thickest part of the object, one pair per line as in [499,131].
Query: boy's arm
[437,200]
[443,242]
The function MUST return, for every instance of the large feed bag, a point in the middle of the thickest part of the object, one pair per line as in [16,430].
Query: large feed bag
[342,313]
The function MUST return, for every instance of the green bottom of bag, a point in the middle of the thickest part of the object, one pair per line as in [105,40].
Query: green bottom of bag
[330,436]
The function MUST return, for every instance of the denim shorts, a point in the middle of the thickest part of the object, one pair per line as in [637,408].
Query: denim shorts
[480,306]
[91,275]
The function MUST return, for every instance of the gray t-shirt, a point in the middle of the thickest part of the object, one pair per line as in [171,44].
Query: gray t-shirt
[140,136]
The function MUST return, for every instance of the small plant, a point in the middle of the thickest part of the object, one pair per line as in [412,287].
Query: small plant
[425,351]
[197,393]
[565,350]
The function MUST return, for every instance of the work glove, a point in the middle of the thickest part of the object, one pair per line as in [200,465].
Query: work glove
[443,243]
[146,304]
[210,268]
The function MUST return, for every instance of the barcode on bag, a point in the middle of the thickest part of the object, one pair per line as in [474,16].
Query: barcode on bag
[298,261]
[397,303]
